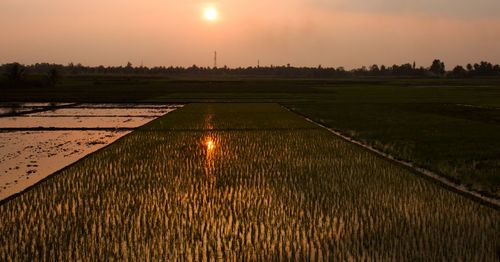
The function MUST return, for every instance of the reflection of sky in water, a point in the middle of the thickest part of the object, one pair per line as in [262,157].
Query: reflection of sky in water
[73,122]
[208,122]
[126,106]
[93,117]
[106,112]
[39,105]
[209,147]
[28,157]
[4,111]
[9,108]
[209,143]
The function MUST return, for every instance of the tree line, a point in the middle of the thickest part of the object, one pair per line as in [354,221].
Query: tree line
[49,74]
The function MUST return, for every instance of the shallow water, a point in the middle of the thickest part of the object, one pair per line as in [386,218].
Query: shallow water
[6,110]
[17,110]
[22,108]
[29,152]
[31,104]
[74,122]
[128,106]
[106,112]
[28,157]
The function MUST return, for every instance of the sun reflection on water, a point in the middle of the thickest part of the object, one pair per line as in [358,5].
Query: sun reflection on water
[209,144]
[209,147]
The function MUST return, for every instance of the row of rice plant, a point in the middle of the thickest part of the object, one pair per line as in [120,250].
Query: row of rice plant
[204,184]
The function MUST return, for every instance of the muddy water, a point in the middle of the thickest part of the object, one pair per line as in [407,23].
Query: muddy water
[105,112]
[26,157]
[128,106]
[74,122]
[21,108]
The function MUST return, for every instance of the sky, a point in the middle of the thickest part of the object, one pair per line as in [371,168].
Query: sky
[333,33]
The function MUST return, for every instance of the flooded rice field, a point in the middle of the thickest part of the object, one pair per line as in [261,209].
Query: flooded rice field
[242,182]
[9,109]
[73,122]
[37,139]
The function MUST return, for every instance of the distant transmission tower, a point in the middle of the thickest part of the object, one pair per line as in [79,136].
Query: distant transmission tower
[215,59]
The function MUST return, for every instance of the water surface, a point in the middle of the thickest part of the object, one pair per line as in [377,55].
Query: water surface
[38,139]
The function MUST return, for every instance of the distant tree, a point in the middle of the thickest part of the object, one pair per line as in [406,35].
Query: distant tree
[470,68]
[484,69]
[129,68]
[403,70]
[477,68]
[76,69]
[496,69]
[406,69]
[15,72]
[459,71]
[53,76]
[101,69]
[437,67]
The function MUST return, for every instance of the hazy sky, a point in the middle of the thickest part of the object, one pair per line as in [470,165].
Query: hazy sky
[346,33]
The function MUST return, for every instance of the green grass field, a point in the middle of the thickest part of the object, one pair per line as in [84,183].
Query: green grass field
[454,131]
[450,126]
[242,182]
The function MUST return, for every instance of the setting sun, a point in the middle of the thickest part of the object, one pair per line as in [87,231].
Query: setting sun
[210,14]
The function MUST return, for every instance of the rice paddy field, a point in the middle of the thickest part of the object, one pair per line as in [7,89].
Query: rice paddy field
[38,139]
[247,181]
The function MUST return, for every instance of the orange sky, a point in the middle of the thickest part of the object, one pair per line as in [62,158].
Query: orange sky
[346,33]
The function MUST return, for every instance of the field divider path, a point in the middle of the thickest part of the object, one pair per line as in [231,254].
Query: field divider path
[447,183]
